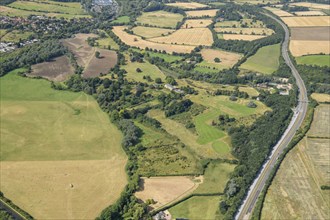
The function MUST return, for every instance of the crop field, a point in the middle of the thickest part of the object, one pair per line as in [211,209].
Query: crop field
[197,23]
[266,60]
[227,59]
[309,47]
[295,192]
[279,12]
[160,19]
[309,13]
[205,67]
[320,127]
[242,37]
[167,57]
[311,5]
[194,36]
[176,187]
[58,69]
[187,5]
[147,70]
[307,21]
[319,60]
[202,13]
[309,33]
[320,97]
[15,36]
[137,41]
[165,154]
[216,177]
[39,165]
[249,31]
[149,32]
[197,207]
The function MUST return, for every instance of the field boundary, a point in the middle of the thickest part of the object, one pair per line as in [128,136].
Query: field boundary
[14,208]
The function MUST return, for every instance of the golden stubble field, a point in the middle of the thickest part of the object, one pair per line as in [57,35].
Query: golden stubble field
[228,59]
[137,41]
[193,36]
[196,23]
[187,5]
[202,13]
[295,192]
[305,47]
[279,12]
[307,21]
[242,37]
[78,189]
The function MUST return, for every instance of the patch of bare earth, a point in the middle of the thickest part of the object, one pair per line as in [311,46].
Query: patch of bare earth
[107,60]
[58,69]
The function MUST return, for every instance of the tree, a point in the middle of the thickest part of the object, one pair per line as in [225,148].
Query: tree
[97,54]
[138,70]
[158,80]
[251,105]
[217,60]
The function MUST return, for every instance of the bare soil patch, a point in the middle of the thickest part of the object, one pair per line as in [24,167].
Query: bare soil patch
[202,13]
[311,33]
[107,60]
[63,189]
[242,37]
[307,21]
[227,58]
[165,190]
[137,41]
[306,47]
[58,69]
[194,36]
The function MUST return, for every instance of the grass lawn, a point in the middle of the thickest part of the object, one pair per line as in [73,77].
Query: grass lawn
[197,207]
[39,123]
[121,20]
[216,177]
[266,60]
[319,60]
[160,19]
[147,70]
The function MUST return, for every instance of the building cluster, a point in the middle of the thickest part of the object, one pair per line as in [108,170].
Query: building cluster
[282,84]
[173,88]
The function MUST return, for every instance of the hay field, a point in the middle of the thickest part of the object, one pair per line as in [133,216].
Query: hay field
[43,188]
[58,69]
[165,190]
[279,12]
[147,70]
[309,13]
[307,21]
[137,41]
[187,5]
[150,32]
[310,33]
[228,59]
[195,36]
[320,126]
[319,60]
[248,31]
[196,23]
[107,60]
[266,60]
[160,19]
[197,207]
[202,13]
[308,47]
[312,5]
[320,97]
[242,37]
[295,191]
[46,139]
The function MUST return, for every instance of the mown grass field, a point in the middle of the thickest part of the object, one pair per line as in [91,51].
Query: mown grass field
[318,60]
[295,192]
[265,61]
[167,57]
[121,20]
[147,70]
[150,32]
[51,139]
[160,19]
[197,207]
[106,42]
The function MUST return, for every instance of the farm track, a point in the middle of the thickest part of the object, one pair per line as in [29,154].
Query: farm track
[256,188]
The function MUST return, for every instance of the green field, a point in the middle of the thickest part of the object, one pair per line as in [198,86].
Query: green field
[39,123]
[15,35]
[160,19]
[216,177]
[121,20]
[266,60]
[150,32]
[319,60]
[206,67]
[197,207]
[104,43]
[168,58]
[147,70]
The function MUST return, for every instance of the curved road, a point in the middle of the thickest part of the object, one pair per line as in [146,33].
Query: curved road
[249,203]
